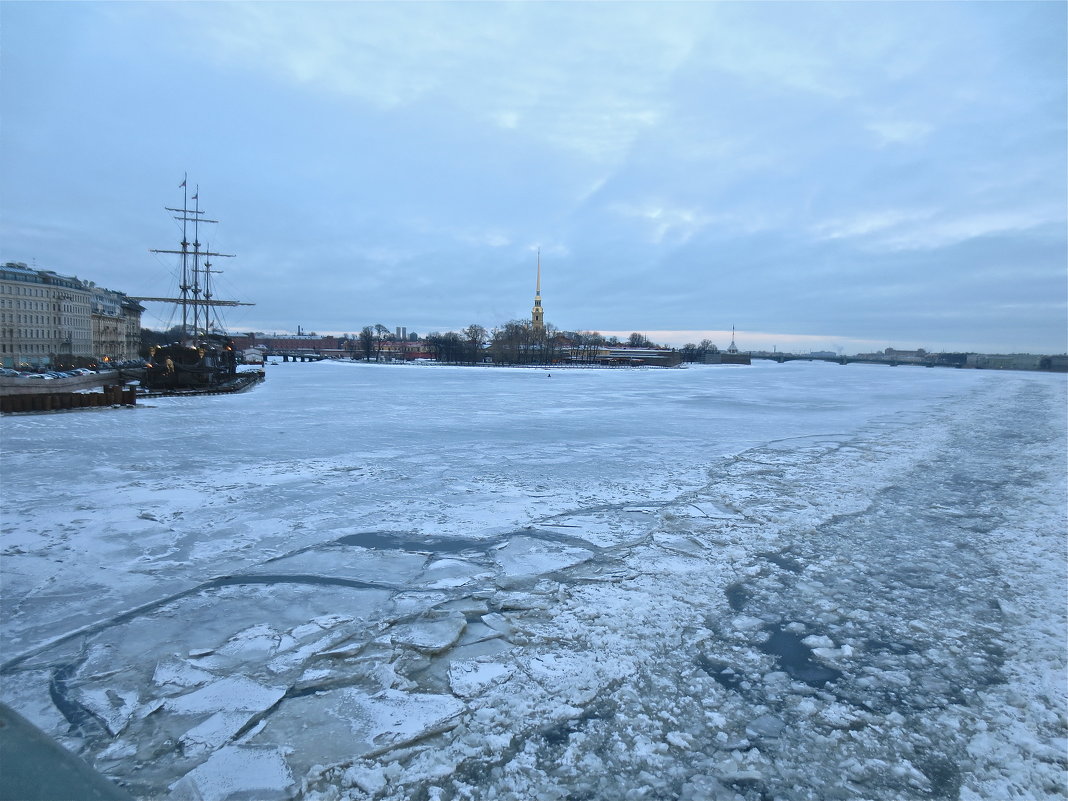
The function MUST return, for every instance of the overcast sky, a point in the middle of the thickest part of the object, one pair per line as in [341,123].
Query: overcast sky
[819,175]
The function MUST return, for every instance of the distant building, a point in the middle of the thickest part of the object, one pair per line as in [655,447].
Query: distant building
[47,318]
[732,348]
[116,324]
[628,356]
[1058,364]
[1011,361]
[253,355]
[894,356]
[731,356]
[132,311]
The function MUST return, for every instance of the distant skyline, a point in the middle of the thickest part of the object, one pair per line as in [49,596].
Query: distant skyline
[820,175]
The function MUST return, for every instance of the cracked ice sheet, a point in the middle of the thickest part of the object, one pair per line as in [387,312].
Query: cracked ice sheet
[524,557]
[666,598]
[346,724]
[237,772]
[235,693]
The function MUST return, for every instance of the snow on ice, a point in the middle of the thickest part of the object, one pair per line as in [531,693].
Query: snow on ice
[799,581]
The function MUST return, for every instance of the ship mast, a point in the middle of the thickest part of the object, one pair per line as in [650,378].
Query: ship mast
[196,263]
[192,287]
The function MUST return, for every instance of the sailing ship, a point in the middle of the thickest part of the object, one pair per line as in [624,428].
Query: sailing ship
[203,360]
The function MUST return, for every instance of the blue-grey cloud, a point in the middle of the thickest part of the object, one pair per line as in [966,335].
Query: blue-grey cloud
[876,171]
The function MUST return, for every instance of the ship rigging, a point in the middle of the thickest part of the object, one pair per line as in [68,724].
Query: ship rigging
[203,358]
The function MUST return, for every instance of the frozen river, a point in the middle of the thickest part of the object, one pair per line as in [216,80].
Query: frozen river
[798,581]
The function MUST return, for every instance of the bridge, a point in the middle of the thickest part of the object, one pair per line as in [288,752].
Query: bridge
[793,357]
[296,355]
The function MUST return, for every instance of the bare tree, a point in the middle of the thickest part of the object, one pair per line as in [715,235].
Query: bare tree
[587,345]
[475,336]
[381,335]
[367,341]
[511,342]
[447,347]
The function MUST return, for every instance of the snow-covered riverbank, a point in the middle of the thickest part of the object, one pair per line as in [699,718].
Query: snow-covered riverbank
[796,581]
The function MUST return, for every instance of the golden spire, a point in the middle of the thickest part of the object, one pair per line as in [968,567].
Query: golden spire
[537,314]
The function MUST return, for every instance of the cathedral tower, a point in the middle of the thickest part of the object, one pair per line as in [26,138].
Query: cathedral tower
[537,315]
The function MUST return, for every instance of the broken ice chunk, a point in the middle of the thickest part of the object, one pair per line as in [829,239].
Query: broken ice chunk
[217,730]
[393,718]
[180,673]
[237,772]
[765,726]
[256,640]
[525,556]
[467,679]
[430,635]
[347,723]
[237,693]
[498,622]
[452,573]
[114,708]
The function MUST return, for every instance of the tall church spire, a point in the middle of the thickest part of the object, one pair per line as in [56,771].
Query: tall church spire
[537,315]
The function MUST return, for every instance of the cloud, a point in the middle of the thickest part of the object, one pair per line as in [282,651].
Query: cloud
[899,131]
[931,229]
[666,223]
[582,80]
[851,168]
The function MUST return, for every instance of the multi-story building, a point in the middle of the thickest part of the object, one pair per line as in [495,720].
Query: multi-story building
[46,318]
[131,332]
[116,324]
[108,329]
[72,329]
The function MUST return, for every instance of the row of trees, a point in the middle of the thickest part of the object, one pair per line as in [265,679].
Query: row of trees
[466,347]
[697,353]
[519,342]
[370,341]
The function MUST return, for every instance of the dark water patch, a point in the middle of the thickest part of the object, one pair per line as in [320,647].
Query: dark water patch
[783,561]
[737,596]
[943,774]
[387,541]
[297,578]
[796,658]
[887,647]
[723,673]
[557,537]
[560,733]
[81,720]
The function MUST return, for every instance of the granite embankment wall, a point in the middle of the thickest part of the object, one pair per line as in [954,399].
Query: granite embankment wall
[40,386]
[76,392]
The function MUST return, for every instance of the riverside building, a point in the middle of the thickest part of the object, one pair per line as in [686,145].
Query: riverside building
[48,319]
